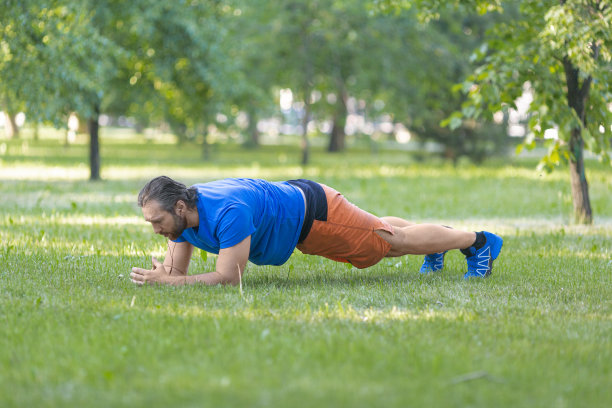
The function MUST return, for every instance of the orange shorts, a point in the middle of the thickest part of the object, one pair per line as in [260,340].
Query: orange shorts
[348,235]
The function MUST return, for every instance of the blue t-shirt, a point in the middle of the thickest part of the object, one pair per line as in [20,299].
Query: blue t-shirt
[232,209]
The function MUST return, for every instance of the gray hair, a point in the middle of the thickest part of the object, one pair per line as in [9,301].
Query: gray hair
[167,192]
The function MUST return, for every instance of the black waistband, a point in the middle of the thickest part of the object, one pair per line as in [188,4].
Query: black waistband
[316,204]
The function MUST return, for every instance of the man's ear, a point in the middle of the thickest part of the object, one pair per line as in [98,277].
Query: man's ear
[180,207]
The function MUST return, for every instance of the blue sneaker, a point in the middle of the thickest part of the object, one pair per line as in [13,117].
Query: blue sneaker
[481,261]
[433,263]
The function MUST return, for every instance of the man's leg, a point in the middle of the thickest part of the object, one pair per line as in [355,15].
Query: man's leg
[480,249]
[397,222]
[423,239]
[433,262]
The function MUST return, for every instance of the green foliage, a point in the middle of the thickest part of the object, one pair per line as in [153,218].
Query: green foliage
[393,67]
[536,43]
[434,57]
[177,68]
[150,60]
[182,63]
[563,33]
[429,10]
[52,60]
[560,50]
[251,49]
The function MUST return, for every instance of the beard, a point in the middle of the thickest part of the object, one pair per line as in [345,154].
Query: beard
[179,226]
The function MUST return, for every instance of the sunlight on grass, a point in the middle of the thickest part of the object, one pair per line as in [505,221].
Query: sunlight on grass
[39,172]
[338,313]
[100,220]
[81,220]
[197,175]
[523,225]
[27,169]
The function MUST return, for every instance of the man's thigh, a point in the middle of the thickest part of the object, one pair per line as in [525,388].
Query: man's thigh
[349,234]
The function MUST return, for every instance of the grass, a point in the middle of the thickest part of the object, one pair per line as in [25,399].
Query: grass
[75,332]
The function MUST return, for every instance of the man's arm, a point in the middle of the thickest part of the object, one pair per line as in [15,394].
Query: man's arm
[178,257]
[230,266]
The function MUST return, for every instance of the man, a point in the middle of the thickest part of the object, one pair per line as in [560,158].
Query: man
[261,221]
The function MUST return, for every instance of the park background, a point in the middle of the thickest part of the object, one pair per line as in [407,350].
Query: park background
[476,114]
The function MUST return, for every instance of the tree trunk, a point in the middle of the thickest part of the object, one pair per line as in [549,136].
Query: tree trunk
[576,98]
[307,86]
[205,146]
[253,140]
[580,188]
[337,137]
[36,133]
[94,145]
[179,130]
[305,141]
[140,127]
[10,126]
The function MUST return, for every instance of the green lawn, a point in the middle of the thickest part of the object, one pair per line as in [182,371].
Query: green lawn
[74,331]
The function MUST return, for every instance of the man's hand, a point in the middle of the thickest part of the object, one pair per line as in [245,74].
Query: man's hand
[229,269]
[156,275]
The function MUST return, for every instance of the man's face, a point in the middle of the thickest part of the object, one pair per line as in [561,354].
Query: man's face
[170,225]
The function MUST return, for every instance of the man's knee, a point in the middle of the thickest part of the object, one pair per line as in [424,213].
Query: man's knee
[391,239]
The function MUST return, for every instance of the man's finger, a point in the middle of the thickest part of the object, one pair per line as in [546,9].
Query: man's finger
[156,263]
[136,278]
[140,271]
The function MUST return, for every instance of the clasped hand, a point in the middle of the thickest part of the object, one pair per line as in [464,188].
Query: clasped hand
[156,275]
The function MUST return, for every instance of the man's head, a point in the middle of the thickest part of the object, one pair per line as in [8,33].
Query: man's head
[165,204]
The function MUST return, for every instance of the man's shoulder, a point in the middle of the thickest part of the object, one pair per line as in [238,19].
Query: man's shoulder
[218,197]
[232,183]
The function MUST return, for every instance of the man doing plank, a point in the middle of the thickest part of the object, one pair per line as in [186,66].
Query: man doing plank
[263,222]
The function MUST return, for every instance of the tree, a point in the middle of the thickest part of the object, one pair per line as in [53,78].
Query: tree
[319,50]
[252,50]
[413,70]
[562,49]
[50,60]
[148,59]
[178,68]
[346,26]
[298,40]
[390,64]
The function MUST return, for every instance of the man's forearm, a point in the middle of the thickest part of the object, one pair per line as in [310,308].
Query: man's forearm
[173,270]
[211,278]
[229,267]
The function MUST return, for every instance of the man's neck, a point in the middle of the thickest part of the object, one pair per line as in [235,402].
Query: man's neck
[193,218]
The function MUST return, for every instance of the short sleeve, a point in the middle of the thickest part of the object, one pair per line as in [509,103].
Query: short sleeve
[235,224]
[179,239]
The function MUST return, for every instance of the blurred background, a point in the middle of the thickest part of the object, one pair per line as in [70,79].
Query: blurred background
[463,81]
[325,73]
